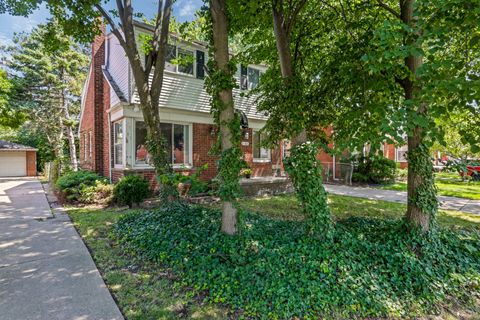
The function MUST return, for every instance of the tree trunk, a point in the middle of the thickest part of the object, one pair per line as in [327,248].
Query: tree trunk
[227,114]
[285,58]
[310,192]
[148,92]
[70,134]
[421,189]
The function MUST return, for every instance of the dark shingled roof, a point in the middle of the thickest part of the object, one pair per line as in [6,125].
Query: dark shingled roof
[7,145]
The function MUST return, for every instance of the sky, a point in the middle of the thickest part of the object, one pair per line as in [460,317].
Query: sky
[183,10]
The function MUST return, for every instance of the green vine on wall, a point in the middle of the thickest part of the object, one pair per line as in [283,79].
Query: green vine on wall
[425,194]
[305,171]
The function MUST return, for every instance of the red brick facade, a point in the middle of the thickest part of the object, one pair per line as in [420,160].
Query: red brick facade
[93,124]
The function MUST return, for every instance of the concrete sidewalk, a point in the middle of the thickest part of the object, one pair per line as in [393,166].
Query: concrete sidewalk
[446,203]
[46,272]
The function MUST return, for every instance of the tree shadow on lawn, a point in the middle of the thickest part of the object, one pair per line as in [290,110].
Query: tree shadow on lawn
[372,268]
[286,207]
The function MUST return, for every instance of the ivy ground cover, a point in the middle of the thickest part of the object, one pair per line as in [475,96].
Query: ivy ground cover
[272,270]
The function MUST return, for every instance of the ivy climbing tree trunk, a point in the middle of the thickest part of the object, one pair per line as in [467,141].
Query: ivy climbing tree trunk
[221,84]
[422,201]
[302,165]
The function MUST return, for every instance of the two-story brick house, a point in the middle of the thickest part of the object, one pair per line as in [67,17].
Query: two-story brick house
[112,132]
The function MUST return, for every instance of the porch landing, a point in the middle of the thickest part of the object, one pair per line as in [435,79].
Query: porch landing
[262,186]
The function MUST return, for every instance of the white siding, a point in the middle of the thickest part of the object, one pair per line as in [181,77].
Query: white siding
[119,68]
[188,93]
[182,92]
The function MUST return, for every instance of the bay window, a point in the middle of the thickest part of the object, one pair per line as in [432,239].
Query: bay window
[177,139]
[259,153]
[118,143]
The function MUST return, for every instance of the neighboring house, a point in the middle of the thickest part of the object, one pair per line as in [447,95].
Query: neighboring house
[112,132]
[17,160]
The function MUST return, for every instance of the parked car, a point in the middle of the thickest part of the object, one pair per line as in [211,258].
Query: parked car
[473,172]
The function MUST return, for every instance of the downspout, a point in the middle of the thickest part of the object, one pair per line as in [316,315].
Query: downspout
[107,63]
[110,146]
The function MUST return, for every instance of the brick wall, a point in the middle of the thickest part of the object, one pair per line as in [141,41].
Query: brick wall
[203,141]
[94,111]
[106,135]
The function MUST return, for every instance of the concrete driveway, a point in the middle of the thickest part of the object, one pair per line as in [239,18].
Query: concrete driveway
[46,272]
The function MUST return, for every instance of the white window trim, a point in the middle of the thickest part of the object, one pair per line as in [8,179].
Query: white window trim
[175,165]
[260,160]
[194,52]
[119,165]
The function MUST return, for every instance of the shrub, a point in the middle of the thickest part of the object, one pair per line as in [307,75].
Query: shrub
[372,269]
[100,193]
[374,169]
[401,174]
[172,181]
[131,190]
[70,184]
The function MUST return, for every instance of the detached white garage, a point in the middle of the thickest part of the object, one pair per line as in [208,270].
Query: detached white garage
[17,160]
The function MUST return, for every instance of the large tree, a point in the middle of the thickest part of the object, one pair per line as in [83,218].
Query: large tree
[220,83]
[48,71]
[279,33]
[431,51]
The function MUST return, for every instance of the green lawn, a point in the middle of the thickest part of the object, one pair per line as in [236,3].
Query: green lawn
[146,290]
[286,207]
[448,184]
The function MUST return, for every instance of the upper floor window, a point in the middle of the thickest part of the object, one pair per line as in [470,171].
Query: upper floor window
[249,77]
[177,138]
[182,60]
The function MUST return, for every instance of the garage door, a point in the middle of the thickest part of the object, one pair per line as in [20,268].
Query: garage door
[13,164]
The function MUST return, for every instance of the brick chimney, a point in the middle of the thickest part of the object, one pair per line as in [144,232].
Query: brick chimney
[98,60]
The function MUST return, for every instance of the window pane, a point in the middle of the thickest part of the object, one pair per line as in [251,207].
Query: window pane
[253,78]
[256,145]
[118,143]
[186,61]
[171,55]
[258,151]
[178,144]
[141,154]
[166,129]
[186,143]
